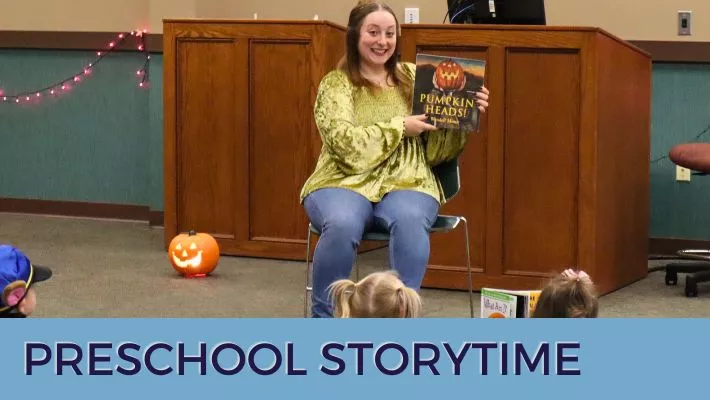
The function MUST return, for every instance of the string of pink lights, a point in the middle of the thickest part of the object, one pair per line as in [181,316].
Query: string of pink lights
[66,84]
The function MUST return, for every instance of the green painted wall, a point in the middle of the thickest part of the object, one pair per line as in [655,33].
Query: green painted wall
[102,142]
[155,120]
[681,111]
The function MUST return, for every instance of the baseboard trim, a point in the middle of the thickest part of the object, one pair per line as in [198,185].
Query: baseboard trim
[675,51]
[155,218]
[63,40]
[82,209]
[669,246]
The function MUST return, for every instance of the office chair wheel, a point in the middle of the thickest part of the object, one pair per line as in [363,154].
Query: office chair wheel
[671,278]
[691,287]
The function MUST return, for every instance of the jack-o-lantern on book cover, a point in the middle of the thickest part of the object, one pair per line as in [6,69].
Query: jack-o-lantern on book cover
[445,90]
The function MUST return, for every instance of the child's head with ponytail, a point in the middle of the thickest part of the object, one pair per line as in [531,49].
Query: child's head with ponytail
[569,295]
[378,295]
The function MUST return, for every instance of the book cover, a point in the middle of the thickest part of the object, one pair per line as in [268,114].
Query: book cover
[532,300]
[523,307]
[445,90]
[495,304]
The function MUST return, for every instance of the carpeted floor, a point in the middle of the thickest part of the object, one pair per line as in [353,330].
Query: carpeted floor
[119,269]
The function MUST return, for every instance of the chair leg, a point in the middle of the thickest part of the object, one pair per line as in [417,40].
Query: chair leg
[357,269]
[468,265]
[308,275]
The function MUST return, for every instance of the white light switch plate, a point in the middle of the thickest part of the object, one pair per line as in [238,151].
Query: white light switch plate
[411,15]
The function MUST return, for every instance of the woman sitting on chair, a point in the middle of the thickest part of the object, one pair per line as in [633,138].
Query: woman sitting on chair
[375,167]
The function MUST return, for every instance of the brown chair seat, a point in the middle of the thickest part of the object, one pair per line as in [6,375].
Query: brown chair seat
[695,156]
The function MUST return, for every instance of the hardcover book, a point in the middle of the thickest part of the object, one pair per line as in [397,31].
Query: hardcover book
[445,90]
[501,303]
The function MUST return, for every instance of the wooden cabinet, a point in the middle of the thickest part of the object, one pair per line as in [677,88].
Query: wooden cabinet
[240,138]
[557,177]
[559,174]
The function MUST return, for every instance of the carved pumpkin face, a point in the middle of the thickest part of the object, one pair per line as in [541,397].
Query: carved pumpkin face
[193,254]
[449,76]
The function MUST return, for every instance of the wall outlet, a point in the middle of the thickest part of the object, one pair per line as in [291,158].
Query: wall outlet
[411,15]
[682,174]
[684,23]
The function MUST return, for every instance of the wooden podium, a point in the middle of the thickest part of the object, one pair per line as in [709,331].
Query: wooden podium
[557,177]
[240,138]
[559,174]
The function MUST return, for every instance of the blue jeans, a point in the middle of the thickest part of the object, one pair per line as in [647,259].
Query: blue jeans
[342,216]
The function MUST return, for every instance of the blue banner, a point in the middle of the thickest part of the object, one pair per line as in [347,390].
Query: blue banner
[353,359]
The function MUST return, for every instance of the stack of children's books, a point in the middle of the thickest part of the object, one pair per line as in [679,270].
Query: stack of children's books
[501,303]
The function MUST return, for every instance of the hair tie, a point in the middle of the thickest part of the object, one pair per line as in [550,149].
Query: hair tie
[576,275]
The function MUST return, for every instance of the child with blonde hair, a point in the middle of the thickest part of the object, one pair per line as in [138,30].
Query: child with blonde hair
[378,295]
[571,294]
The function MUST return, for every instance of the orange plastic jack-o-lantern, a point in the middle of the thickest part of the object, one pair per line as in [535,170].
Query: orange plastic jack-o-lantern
[193,254]
[449,76]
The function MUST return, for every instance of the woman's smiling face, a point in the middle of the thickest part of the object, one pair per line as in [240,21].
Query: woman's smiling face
[378,38]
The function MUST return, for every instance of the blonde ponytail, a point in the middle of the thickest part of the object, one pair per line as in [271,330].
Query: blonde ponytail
[378,295]
[341,292]
[410,304]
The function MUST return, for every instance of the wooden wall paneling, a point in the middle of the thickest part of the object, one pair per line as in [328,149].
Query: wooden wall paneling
[279,133]
[623,164]
[244,113]
[541,160]
[587,153]
[210,137]
[495,162]
[544,178]
[169,139]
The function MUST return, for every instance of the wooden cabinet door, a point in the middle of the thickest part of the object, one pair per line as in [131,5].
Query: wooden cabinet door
[243,135]
[210,136]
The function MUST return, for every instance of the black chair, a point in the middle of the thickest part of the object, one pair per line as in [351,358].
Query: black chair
[696,157]
[449,177]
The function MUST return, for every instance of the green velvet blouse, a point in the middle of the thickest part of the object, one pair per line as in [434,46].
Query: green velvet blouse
[364,147]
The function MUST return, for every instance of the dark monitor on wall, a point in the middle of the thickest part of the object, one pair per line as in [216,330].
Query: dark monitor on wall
[504,12]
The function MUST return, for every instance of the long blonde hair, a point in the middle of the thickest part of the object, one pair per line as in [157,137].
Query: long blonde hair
[350,63]
[378,295]
[571,294]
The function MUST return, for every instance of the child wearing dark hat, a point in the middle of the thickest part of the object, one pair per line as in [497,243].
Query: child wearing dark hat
[17,278]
